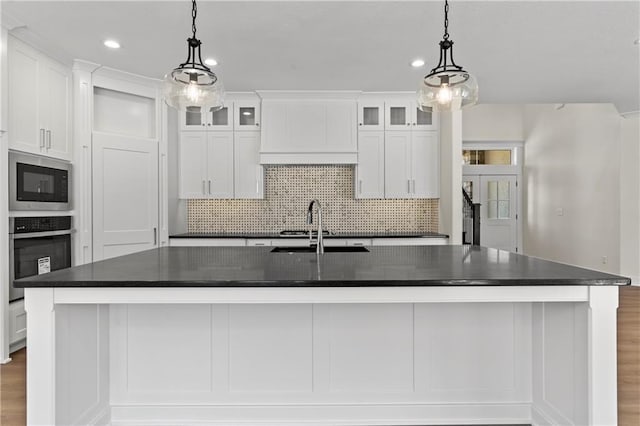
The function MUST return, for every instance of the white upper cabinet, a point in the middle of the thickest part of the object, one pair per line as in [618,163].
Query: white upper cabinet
[39,102]
[412,164]
[405,115]
[206,165]
[197,119]
[370,115]
[247,115]
[249,174]
[309,131]
[369,182]
[193,165]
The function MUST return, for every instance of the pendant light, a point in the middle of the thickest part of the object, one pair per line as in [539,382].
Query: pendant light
[448,86]
[192,83]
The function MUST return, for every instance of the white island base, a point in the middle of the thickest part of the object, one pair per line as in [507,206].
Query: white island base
[542,355]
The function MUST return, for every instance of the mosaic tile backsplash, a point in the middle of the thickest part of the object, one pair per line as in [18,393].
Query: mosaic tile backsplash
[288,190]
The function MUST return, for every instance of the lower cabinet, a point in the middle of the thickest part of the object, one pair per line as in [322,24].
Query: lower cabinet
[17,322]
[298,242]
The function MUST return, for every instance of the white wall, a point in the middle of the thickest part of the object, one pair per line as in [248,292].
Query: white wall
[630,197]
[572,183]
[493,123]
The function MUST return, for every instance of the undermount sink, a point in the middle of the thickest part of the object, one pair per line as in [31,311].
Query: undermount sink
[336,249]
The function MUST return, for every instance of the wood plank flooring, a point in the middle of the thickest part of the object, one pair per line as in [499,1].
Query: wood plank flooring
[13,390]
[13,375]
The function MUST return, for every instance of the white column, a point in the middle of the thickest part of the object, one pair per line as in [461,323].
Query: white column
[451,175]
[40,356]
[81,180]
[602,360]
[4,206]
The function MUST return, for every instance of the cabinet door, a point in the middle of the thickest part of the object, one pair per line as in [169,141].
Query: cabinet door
[56,102]
[192,119]
[221,119]
[370,116]
[424,120]
[398,115]
[220,164]
[370,168]
[26,127]
[193,165]
[425,164]
[397,178]
[249,174]
[246,116]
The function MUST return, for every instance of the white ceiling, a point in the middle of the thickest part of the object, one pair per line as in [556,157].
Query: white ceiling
[521,52]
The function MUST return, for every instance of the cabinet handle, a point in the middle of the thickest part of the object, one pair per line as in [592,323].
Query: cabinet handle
[409,186]
[414,185]
[259,244]
[203,190]
[41,138]
[155,236]
[209,187]
[257,185]
[360,186]
[48,139]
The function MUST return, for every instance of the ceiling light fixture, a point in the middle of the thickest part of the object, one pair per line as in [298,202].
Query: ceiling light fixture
[193,83]
[112,44]
[448,86]
[417,63]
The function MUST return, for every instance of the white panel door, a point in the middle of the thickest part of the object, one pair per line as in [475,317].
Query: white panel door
[220,164]
[125,195]
[397,161]
[370,169]
[425,164]
[57,105]
[498,212]
[249,174]
[193,165]
[26,131]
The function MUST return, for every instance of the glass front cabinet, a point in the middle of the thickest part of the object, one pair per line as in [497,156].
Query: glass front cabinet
[194,118]
[370,115]
[246,115]
[405,115]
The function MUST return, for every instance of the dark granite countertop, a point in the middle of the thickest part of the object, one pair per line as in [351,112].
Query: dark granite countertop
[383,266]
[274,235]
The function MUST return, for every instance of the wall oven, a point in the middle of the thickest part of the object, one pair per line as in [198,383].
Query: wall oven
[37,245]
[38,183]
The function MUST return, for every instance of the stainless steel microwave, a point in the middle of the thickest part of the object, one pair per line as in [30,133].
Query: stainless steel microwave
[38,183]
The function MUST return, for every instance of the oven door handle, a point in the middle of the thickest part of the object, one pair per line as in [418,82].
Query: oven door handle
[40,234]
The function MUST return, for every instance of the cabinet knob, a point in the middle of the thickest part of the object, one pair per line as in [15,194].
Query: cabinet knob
[359,124]
[208,124]
[257,124]
[414,124]
[408,124]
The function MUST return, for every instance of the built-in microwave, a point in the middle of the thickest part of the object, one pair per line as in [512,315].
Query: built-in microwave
[38,183]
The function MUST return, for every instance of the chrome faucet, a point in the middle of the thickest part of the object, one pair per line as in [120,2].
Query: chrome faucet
[319,241]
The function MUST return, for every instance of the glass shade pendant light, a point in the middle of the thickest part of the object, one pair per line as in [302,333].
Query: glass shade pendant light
[192,83]
[448,86]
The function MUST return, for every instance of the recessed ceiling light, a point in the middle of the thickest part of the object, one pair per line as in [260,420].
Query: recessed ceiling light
[211,62]
[417,63]
[112,44]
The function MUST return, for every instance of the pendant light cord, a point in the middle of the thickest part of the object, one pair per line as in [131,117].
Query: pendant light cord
[446,20]
[194,13]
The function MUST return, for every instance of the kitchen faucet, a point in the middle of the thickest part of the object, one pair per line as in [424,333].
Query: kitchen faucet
[319,241]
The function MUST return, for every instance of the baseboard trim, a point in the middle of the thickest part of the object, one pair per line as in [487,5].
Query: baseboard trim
[102,417]
[322,414]
[16,346]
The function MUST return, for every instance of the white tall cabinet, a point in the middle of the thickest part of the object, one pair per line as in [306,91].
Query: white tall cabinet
[40,99]
[220,152]
[398,150]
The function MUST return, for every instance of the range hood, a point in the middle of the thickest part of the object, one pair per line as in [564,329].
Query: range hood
[309,128]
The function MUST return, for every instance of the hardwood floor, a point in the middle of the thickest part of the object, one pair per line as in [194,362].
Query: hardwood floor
[13,390]
[13,376]
[629,357]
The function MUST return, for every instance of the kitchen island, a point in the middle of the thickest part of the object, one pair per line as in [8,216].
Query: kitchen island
[395,335]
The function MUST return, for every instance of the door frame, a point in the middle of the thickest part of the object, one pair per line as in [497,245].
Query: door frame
[515,169]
